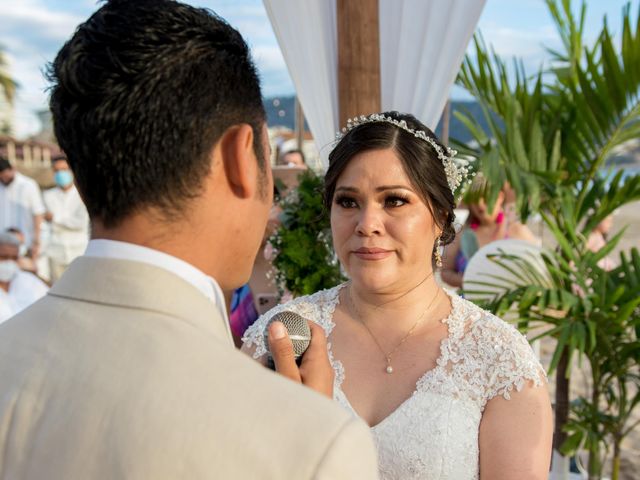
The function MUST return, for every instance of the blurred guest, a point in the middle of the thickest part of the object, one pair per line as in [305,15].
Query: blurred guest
[294,158]
[21,205]
[243,312]
[25,262]
[18,289]
[598,239]
[68,218]
[483,226]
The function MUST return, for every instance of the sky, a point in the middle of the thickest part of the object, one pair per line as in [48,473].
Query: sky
[32,31]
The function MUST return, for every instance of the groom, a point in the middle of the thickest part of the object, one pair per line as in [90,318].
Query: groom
[127,369]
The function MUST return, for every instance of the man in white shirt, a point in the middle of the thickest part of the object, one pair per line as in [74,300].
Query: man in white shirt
[21,205]
[67,217]
[18,289]
[127,369]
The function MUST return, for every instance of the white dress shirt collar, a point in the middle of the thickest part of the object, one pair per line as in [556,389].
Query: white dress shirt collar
[128,251]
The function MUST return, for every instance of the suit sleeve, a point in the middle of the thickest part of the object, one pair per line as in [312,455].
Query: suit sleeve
[350,456]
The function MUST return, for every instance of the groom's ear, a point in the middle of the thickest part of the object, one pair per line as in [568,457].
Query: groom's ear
[239,160]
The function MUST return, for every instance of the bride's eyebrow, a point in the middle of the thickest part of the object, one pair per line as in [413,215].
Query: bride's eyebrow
[381,188]
[347,189]
[393,187]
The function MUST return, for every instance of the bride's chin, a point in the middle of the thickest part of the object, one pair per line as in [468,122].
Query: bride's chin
[372,283]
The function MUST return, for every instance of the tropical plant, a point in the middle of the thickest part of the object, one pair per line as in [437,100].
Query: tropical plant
[305,262]
[599,316]
[605,418]
[549,136]
[7,84]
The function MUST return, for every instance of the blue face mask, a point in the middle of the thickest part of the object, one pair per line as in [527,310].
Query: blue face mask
[63,178]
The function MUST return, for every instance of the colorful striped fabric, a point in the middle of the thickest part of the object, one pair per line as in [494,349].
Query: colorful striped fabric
[243,311]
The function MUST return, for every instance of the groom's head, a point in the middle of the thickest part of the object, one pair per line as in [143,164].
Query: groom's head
[151,100]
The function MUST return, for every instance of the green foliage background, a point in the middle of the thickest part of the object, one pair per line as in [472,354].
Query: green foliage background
[305,261]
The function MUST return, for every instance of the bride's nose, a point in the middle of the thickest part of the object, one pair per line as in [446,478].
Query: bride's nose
[369,221]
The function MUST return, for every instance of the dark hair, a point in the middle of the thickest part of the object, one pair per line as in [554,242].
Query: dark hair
[5,164]
[59,158]
[295,150]
[419,159]
[141,93]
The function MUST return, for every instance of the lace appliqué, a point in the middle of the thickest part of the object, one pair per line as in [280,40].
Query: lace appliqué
[434,433]
[482,357]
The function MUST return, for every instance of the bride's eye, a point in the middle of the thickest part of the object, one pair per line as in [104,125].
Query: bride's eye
[394,201]
[345,201]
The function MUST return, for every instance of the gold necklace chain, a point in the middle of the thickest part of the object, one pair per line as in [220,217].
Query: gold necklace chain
[387,356]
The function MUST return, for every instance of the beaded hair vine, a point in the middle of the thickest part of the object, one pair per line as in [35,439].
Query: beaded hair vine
[457,170]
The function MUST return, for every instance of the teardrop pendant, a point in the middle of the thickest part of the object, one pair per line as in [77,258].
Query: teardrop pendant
[389,369]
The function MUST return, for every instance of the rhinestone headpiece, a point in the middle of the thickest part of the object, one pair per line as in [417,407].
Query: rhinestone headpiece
[457,170]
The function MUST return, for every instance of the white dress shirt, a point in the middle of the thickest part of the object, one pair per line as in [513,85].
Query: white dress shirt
[70,224]
[19,202]
[136,253]
[24,289]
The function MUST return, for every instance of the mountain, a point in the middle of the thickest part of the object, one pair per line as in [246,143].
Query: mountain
[281,112]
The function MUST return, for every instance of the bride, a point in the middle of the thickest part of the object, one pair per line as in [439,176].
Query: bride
[449,390]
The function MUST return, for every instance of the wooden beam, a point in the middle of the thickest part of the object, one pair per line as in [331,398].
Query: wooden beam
[299,124]
[446,121]
[358,58]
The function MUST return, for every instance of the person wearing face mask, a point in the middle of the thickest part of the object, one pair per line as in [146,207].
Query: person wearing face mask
[21,205]
[18,289]
[68,218]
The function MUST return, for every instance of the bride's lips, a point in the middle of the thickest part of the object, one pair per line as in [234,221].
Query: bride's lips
[372,253]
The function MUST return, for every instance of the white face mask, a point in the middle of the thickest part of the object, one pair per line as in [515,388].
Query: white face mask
[8,270]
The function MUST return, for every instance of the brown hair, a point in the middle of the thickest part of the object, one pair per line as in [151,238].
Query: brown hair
[419,159]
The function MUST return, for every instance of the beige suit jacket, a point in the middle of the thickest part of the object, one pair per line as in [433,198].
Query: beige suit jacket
[126,371]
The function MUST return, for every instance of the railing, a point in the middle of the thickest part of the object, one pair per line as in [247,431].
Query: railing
[27,154]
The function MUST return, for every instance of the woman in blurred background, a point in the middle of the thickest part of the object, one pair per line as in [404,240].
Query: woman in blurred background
[483,226]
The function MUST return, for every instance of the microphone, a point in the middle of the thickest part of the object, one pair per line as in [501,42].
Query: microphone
[299,333]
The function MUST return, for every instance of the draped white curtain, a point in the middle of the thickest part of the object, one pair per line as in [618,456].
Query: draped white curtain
[307,34]
[422,43]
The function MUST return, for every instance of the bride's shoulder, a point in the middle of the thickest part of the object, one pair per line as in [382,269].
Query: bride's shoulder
[500,354]
[317,307]
[484,326]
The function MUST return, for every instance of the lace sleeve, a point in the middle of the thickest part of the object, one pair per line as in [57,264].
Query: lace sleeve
[510,362]
[317,307]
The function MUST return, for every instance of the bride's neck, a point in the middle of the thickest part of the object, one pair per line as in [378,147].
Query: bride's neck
[399,301]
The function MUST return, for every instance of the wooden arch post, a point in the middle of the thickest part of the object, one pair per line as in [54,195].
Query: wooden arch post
[358,58]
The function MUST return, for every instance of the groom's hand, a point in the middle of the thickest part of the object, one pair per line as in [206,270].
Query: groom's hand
[315,369]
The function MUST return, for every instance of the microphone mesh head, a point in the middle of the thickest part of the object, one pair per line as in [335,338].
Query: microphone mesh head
[298,329]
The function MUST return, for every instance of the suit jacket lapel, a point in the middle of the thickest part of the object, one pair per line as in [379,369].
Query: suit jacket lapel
[138,285]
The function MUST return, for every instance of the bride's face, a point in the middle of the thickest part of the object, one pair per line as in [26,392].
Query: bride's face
[383,231]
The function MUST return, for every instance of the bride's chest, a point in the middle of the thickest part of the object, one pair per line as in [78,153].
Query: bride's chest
[377,384]
[429,436]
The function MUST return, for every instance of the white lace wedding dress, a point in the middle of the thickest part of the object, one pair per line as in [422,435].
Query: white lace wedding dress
[434,433]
